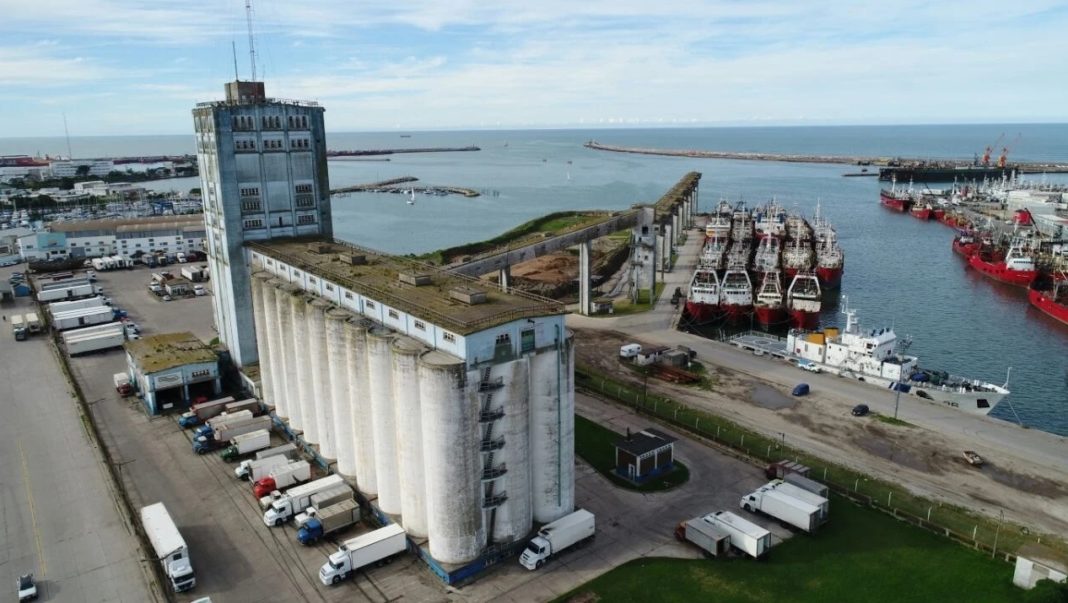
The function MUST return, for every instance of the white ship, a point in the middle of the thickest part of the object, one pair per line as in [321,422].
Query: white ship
[871,356]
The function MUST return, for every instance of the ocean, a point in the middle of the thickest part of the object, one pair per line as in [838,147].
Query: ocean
[899,271]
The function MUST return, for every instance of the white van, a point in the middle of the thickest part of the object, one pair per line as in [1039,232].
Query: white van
[630,350]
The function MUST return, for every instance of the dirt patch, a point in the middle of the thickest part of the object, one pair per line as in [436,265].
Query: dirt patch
[1027,483]
[806,421]
[877,442]
[768,397]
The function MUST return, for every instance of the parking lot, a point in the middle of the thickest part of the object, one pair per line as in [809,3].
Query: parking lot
[237,558]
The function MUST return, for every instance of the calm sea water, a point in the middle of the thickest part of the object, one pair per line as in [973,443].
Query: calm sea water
[899,271]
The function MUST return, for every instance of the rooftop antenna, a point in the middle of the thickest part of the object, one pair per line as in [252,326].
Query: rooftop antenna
[233,46]
[66,133]
[251,40]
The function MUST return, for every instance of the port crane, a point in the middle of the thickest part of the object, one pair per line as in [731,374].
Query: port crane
[1003,159]
[990,149]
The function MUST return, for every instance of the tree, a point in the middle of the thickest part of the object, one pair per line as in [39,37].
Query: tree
[194,192]
[82,171]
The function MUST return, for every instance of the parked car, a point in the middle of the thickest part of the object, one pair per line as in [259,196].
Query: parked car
[801,389]
[27,587]
[199,290]
[860,410]
[167,298]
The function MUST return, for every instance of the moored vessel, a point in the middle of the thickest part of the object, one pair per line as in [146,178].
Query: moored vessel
[830,262]
[1050,295]
[769,306]
[766,258]
[804,301]
[797,257]
[1017,267]
[703,302]
[736,294]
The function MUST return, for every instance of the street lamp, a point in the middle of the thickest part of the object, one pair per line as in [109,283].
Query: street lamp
[897,398]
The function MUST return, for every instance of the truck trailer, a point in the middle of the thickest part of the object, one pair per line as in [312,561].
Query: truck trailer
[556,537]
[297,498]
[66,292]
[169,546]
[803,495]
[281,477]
[250,404]
[247,444]
[809,484]
[746,536]
[203,411]
[220,420]
[255,470]
[224,433]
[78,304]
[84,317]
[33,323]
[94,340]
[709,537]
[322,500]
[328,520]
[781,506]
[374,547]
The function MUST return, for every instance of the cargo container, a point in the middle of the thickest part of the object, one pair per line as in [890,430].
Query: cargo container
[282,477]
[65,306]
[219,421]
[808,484]
[709,537]
[295,499]
[287,450]
[803,495]
[557,537]
[220,435]
[746,536]
[250,404]
[328,520]
[257,469]
[67,292]
[783,507]
[94,342]
[374,547]
[169,547]
[33,323]
[247,444]
[322,500]
[203,411]
[83,317]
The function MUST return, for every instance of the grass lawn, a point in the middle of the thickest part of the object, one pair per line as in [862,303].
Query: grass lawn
[861,555]
[596,446]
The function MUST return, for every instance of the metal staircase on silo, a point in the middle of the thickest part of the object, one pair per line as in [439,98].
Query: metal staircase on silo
[488,417]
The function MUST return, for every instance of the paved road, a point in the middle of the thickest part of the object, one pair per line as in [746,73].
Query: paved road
[60,519]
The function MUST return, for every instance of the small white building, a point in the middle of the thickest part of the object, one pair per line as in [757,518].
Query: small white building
[68,168]
[170,370]
[1035,562]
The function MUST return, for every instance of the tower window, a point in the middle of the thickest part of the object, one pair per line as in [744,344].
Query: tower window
[449,337]
[305,219]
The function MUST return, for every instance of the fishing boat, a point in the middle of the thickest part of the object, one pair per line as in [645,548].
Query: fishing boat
[741,224]
[830,263]
[873,356]
[703,302]
[768,306]
[739,254]
[766,258]
[966,243]
[804,301]
[922,211]
[797,228]
[770,220]
[1050,296]
[714,253]
[797,257]
[736,294]
[1016,268]
[896,199]
[719,226]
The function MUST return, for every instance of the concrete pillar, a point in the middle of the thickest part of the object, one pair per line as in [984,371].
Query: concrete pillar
[276,371]
[320,366]
[305,376]
[676,226]
[584,278]
[283,298]
[406,352]
[337,354]
[504,278]
[259,312]
[380,378]
[363,449]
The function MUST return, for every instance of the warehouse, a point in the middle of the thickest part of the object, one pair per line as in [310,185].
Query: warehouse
[446,399]
[172,369]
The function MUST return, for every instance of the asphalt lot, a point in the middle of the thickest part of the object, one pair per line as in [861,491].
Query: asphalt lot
[237,558]
[60,517]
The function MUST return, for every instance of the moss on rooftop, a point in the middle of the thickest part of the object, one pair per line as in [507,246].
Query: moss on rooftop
[157,353]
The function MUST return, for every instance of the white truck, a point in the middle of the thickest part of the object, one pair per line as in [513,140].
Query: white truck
[746,536]
[801,494]
[78,304]
[84,317]
[247,444]
[709,537]
[293,500]
[321,501]
[328,520]
[378,546]
[556,537]
[33,323]
[255,470]
[67,292]
[806,483]
[279,478]
[18,327]
[92,339]
[169,546]
[781,506]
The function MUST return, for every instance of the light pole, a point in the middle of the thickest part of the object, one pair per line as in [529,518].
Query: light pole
[897,398]
[997,532]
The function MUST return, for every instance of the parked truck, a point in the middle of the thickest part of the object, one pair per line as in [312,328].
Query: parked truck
[92,339]
[247,444]
[122,384]
[329,520]
[219,421]
[709,537]
[785,467]
[256,470]
[250,404]
[18,327]
[807,484]
[293,500]
[203,411]
[33,324]
[820,502]
[746,536]
[556,537]
[378,546]
[321,501]
[281,477]
[192,273]
[78,304]
[781,506]
[84,317]
[224,433]
[67,292]
[169,546]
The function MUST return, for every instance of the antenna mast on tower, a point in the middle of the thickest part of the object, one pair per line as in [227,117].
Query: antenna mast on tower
[66,133]
[251,40]
[233,47]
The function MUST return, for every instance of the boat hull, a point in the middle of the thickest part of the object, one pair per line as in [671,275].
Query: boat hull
[894,203]
[921,213]
[998,272]
[804,319]
[830,278]
[768,315]
[965,249]
[971,402]
[736,312]
[1048,305]
[701,313]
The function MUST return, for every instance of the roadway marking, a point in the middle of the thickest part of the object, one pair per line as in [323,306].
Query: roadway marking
[33,511]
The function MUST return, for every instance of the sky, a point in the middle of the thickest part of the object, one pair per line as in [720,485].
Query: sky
[125,67]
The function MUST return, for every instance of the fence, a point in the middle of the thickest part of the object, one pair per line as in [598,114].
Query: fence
[978,531]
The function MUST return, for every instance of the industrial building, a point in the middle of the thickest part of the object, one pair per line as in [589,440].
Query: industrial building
[448,400]
[171,370]
[263,175]
[127,237]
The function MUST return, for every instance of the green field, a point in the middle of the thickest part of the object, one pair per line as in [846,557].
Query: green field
[860,556]
[596,446]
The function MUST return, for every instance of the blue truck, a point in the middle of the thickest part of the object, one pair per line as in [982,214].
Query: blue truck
[328,520]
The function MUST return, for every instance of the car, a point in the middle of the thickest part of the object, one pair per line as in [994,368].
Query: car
[860,410]
[6,263]
[810,367]
[27,587]
[167,298]
[199,290]
[801,389]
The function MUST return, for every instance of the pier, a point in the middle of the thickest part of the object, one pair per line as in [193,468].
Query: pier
[888,162]
[366,152]
[394,186]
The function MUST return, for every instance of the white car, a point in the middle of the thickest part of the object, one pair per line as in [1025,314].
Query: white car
[810,367]
[27,587]
[199,290]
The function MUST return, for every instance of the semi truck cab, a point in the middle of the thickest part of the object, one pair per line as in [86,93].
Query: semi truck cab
[535,553]
[279,511]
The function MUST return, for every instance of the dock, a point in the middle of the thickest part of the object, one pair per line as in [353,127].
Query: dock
[761,344]
[393,185]
[366,152]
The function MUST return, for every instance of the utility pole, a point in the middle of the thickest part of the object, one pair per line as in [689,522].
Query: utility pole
[897,398]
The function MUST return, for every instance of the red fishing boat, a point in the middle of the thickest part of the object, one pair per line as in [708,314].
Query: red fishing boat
[1050,296]
[804,301]
[768,306]
[1016,268]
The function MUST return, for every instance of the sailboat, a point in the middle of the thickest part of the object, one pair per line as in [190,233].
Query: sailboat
[411,196]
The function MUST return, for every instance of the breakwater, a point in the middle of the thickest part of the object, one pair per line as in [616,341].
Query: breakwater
[366,152]
[395,185]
